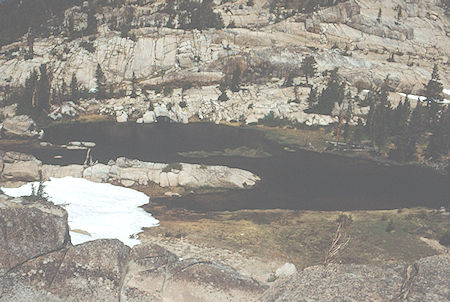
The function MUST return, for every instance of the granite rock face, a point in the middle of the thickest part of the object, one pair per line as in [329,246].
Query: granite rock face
[348,35]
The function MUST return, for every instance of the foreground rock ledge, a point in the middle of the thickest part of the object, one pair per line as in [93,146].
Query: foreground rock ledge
[49,268]
[15,166]
[38,263]
[425,280]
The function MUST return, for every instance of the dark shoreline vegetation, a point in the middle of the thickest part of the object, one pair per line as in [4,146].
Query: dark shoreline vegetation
[302,179]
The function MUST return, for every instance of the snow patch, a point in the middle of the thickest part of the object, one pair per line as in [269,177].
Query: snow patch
[96,210]
[423,98]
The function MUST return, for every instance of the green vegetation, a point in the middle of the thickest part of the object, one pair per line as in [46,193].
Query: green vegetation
[304,237]
[192,14]
[171,167]
[243,151]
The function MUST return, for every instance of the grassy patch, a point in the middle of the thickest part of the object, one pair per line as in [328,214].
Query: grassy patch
[303,237]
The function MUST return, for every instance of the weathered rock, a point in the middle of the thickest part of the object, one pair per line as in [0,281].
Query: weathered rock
[288,269]
[62,171]
[20,126]
[423,281]
[97,173]
[30,230]
[154,273]
[91,271]
[149,117]
[20,167]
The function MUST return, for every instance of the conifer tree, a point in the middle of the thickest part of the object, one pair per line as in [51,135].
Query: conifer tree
[433,90]
[401,116]
[439,142]
[43,90]
[312,97]
[359,132]
[133,86]
[236,79]
[30,43]
[309,68]
[91,20]
[379,118]
[334,92]
[26,102]
[74,88]
[101,82]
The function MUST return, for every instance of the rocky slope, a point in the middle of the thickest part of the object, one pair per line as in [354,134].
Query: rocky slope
[38,263]
[264,43]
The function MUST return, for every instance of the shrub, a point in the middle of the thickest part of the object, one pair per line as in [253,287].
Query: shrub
[182,104]
[89,46]
[172,166]
[344,219]
[390,226]
[271,121]
[186,85]
[223,97]
[167,90]
[445,239]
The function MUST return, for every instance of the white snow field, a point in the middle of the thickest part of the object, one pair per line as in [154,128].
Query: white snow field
[96,210]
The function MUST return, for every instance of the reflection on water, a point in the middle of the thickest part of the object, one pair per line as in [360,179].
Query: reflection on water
[291,180]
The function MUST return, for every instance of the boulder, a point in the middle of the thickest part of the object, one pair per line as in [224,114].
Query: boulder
[122,117]
[30,230]
[21,126]
[154,274]
[22,171]
[149,117]
[62,171]
[91,271]
[288,269]
[97,173]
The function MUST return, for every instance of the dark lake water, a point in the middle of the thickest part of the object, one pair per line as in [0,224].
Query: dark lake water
[290,180]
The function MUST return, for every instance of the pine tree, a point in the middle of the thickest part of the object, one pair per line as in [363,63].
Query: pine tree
[312,97]
[236,79]
[309,68]
[223,97]
[43,90]
[91,21]
[433,90]
[406,136]
[401,116]
[289,81]
[379,15]
[74,88]
[380,117]
[359,132]
[25,103]
[133,86]
[439,142]
[30,43]
[334,92]
[101,82]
